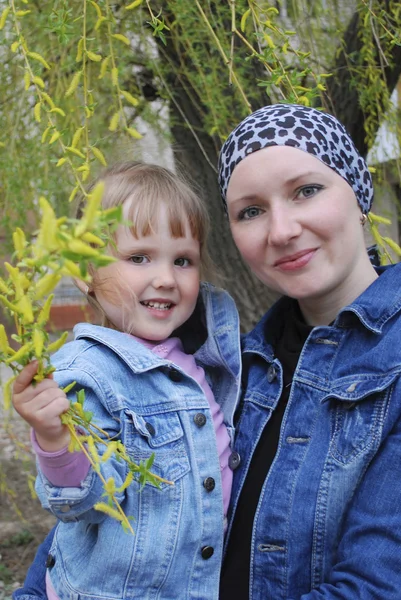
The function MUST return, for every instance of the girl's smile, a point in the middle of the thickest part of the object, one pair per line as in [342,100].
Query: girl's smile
[153,287]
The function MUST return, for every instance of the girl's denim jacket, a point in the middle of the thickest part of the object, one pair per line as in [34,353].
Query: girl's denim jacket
[153,407]
[328,522]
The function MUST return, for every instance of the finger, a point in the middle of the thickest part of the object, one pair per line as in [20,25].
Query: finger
[30,392]
[52,411]
[25,377]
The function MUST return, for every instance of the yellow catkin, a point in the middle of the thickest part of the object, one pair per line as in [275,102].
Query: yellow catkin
[58,343]
[38,339]
[91,238]
[79,247]
[39,58]
[393,245]
[27,80]
[20,354]
[134,133]
[44,314]
[4,16]
[72,269]
[121,38]
[97,8]
[22,13]
[74,84]
[244,19]
[15,46]
[54,137]
[58,110]
[75,151]
[36,111]
[3,340]
[39,81]
[46,284]
[114,76]
[99,155]
[7,392]
[99,23]
[378,219]
[111,512]
[133,5]
[61,161]
[93,56]
[73,193]
[80,49]
[76,137]
[130,98]
[45,134]
[49,101]
[103,67]
[114,121]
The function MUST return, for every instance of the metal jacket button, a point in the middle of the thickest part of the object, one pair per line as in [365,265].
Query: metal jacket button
[207,552]
[50,561]
[271,373]
[175,375]
[234,460]
[200,419]
[209,484]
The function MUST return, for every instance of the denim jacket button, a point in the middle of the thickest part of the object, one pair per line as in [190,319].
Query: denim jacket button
[207,552]
[271,373]
[65,508]
[209,484]
[234,460]
[200,419]
[175,375]
[150,428]
[50,561]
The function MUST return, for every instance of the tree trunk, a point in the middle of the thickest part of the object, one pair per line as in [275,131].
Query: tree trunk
[251,296]
[342,98]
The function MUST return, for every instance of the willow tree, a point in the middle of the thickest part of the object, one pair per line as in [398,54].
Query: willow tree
[80,78]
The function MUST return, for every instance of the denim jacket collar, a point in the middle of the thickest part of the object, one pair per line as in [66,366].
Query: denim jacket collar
[373,308]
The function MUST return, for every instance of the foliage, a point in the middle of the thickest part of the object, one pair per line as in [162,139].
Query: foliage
[63,246]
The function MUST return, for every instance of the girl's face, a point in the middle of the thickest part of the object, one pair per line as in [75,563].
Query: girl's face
[153,287]
[297,224]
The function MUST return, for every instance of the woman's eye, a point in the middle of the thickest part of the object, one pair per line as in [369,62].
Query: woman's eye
[249,213]
[138,259]
[182,262]
[308,191]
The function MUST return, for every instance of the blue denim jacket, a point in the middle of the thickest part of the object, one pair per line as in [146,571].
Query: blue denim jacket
[151,404]
[328,522]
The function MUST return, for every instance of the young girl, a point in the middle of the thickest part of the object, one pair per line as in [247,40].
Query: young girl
[148,373]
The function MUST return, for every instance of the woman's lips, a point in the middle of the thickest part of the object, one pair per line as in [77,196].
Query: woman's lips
[295,261]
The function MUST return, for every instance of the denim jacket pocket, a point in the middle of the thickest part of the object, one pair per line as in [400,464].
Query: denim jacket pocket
[161,435]
[357,420]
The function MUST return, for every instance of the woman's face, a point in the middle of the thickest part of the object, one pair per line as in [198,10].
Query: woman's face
[297,224]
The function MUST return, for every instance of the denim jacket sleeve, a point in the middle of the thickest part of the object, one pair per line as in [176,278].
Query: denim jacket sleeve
[369,557]
[75,503]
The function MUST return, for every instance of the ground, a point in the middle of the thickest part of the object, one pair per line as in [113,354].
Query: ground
[23,523]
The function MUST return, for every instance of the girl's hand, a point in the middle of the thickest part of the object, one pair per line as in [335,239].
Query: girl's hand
[41,406]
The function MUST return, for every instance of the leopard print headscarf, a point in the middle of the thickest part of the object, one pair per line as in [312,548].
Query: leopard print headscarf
[305,128]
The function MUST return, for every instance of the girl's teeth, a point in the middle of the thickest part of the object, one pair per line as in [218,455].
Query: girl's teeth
[159,305]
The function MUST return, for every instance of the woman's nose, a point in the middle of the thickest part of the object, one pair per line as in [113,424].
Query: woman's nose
[283,227]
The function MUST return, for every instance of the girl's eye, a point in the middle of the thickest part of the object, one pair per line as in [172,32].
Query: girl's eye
[249,213]
[182,262]
[308,191]
[138,259]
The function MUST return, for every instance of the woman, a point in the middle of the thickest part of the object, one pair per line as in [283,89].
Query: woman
[316,504]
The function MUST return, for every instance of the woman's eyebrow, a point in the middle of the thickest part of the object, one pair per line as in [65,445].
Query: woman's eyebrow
[301,175]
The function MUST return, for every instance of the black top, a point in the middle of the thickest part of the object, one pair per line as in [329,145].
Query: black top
[288,344]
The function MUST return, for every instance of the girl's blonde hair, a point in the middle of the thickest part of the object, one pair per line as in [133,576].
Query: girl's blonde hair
[149,186]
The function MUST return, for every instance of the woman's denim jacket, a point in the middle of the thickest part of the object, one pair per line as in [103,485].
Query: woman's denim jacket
[328,522]
[155,408]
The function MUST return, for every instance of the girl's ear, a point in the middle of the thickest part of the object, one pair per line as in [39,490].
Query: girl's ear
[83,287]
